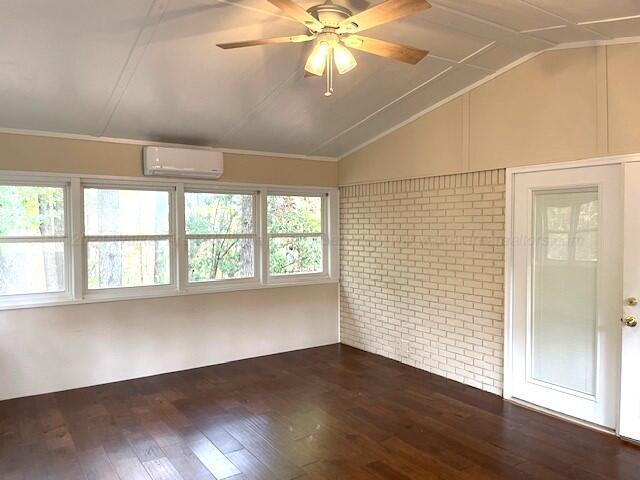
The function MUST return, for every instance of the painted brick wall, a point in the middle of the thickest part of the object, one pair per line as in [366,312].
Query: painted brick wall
[422,273]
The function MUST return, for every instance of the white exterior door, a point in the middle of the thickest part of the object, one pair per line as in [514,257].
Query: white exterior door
[630,365]
[567,290]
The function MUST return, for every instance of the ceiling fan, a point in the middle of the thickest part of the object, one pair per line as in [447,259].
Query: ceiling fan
[334,28]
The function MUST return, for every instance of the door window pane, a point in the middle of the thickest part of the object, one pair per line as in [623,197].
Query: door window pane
[218,213]
[220,259]
[34,267]
[114,264]
[288,255]
[564,314]
[294,214]
[31,211]
[125,212]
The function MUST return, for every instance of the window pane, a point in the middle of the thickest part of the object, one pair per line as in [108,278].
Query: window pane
[218,213]
[125,212]
[295,255]
[565,289]
[220,259]
[294,214]
[31,267]
[31,211]
[587,246]
[128,263]
[557,246]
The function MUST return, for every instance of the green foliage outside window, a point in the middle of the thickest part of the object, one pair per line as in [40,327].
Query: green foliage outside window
[219,214]
[27,211]
[293,214]
[31,211]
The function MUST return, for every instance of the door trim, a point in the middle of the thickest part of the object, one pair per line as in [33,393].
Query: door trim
[508,260]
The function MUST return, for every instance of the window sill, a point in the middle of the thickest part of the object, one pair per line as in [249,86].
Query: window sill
[191,290]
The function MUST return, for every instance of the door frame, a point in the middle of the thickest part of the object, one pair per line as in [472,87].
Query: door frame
[507,392]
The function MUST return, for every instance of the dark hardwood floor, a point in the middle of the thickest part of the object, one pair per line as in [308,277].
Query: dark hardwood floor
[324,413]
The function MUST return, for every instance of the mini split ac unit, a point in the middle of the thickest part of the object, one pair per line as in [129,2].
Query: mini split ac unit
[183,162]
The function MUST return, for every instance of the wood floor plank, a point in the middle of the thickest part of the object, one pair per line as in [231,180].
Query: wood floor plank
[327,413]
[187,463]
[162,469]
[212,458]
[250,466]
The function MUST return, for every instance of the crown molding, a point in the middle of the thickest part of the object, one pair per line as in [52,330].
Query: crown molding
[130,141]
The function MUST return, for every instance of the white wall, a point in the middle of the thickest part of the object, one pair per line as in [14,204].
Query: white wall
[58,348]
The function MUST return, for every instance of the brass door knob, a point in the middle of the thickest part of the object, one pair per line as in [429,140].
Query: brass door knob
[629,320]
[633,301]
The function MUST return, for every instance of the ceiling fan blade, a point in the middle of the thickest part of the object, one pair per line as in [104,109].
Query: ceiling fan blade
[268,41]
[298,13]
[395,51]
[382,13]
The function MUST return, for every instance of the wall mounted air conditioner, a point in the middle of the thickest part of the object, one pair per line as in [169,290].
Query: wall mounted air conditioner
[182,162]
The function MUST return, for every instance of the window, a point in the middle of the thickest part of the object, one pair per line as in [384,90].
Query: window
[221,236]
[295,227]
[33,239]
[74,239]
[128,236]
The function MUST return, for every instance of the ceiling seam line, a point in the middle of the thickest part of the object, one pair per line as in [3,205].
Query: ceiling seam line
[113,108]
[383,108]
[258,107]
[465,60]
[451,61]
[499,26]
[564,19]
[609,20]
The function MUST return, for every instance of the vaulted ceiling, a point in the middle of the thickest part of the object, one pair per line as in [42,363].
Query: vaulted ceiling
[150,69]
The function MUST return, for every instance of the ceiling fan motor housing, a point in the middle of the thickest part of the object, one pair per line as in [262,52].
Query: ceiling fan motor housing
[330,15]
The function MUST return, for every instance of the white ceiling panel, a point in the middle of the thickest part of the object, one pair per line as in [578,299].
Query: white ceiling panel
[150,69]
[417,31]
[187,90]
[60,60]
[458,20]
[302,116]
[588,10]
[514,14]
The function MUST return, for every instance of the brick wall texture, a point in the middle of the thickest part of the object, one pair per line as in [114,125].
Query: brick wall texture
[422,273]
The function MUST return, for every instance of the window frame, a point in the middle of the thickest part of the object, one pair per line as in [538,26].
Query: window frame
[39,297]
[212,284]
[86,239]
[75,249]
[323,235]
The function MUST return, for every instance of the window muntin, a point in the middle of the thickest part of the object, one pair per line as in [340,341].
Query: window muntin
[128,233]
[33,240]
[221,236]
[295,230]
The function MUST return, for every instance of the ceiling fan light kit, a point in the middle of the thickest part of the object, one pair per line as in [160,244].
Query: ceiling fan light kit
[333,28]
